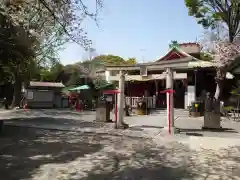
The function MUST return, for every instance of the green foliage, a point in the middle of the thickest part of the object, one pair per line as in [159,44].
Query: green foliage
[17,49]
[51,23]
[74,79]
[31,33]
[202,10]
[70,75]
[209,13]
[131,61]
[49,75]
[174,43]
[56,71]
[84,72]
[236,91]
[109,59]
[113,60]
[103,84]
[206,56]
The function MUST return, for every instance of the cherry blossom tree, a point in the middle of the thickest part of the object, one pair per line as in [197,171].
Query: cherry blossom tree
[224,53]
[51,23]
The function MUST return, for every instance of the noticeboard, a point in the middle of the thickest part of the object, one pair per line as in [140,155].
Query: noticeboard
[29,95]
[109,98]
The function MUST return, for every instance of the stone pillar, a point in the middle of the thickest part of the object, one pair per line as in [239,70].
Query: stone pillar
[212,116]
[107,74]
[154,101]
[121,100]
[170,102]
[156,93]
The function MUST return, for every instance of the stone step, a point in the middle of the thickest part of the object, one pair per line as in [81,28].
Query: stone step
[181,112]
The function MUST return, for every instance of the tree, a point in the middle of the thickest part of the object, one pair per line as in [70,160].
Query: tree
[218,36]
[224,53]
[52,23]
[131,61]
[206,56]
[85,71]
[49,74]
[218,14]
[113,60]
[43,16]
[17,51]
[91,53]
[109,59]
[74,79]
[221,53]
[209,13]
[70,75]
[89,67]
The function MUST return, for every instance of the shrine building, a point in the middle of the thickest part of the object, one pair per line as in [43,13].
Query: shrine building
[191,76]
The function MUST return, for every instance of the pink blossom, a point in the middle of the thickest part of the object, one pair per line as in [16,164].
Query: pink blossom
[224,53]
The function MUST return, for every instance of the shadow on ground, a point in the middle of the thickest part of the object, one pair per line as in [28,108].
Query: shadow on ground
[143,164]
[200,132]
[29,153]
[23,150]
[63,112]
[47,112]
[51,122]
[229,130]
[142,127]
[174,161]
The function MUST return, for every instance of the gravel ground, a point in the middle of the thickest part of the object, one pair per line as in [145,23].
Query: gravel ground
[82,121]
[69,146]
[36,154]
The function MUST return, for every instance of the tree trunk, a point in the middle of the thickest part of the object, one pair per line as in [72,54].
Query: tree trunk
[231,35]
[218,90]
[17,92]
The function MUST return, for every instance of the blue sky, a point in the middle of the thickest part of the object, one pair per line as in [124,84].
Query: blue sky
[136,28]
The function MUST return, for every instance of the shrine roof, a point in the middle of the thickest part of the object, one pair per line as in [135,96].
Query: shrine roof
[175,57]
[185,59]
[175,53]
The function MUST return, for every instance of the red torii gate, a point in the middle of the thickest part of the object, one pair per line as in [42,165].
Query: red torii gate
[170,116]
[168,92]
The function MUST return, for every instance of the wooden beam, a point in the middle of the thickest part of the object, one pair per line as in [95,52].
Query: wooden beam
[148,77]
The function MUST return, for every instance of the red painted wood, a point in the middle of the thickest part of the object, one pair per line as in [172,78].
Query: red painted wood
[174,54]
[114,91]
[116,109]
[167,91]
[169,116]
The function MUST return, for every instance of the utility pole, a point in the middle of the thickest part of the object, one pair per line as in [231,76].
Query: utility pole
[90,54]
[142,52]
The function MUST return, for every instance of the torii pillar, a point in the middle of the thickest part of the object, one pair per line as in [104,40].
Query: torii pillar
[121,99]
[170,102]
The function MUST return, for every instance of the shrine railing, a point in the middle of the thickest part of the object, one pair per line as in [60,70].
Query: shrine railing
[132,101]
